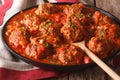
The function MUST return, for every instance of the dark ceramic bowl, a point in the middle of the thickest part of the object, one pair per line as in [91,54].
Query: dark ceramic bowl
[51,66]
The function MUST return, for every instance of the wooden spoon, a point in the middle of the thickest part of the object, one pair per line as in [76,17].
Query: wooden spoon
[98,61]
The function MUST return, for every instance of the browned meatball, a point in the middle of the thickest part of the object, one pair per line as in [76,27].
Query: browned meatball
[48,27]
[19,37]
[77,9]
[72,31]
[101,19]
[101,48]
[31,21]
[80,12]
[108,31]
[12,27]
[48,8]
[51,32]
[69,54]
[77,19]
[39,48]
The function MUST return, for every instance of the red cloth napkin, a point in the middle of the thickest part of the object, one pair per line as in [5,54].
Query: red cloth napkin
[8,74]
[7,4]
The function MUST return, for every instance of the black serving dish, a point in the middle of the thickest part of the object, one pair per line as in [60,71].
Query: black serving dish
[51,66]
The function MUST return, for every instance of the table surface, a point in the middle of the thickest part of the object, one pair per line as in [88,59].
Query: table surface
[95,72]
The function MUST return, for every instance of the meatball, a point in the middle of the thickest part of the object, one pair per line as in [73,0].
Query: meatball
[39,48]
[12,27]
[101,48]
[31,22]
[19,37]
[69,54]
[100,19]
[80,12]
[51,32]
[48,8]
[72,31]
[77,19]
[108,31]
[77,9]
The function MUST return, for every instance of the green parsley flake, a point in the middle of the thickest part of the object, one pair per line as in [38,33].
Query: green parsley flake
[23,28]
[47,44]
[72,25]
[100,34]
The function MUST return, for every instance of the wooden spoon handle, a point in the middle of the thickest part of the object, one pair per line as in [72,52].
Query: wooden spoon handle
[100,63]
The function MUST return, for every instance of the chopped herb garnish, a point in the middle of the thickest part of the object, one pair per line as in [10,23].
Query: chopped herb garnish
[24,33]
[81,15]
[49,21]
[100,34]
[46,24]
[72,25]
[89,15]
[23,28]
[47,44]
